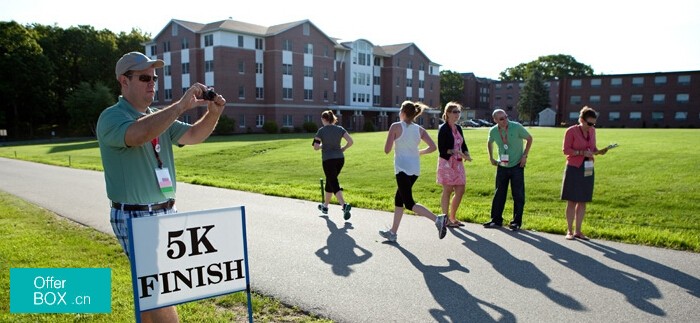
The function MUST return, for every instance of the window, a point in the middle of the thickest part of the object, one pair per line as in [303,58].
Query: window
[616,81]
[308,94]
[377,100]
[509,97]
[575,99]
[307,29]
[258,68]
[575,83]
[154,50]
[682,97]
[614,116]
[241,121]
[174,30]
[240,41]
[410,64]
[596,82]
[498,86]
[208,40]
[258,43]
[398,81]
[409,82]
[287,93]
[309,49]
[208,66]
[168,94]
[681,116]
[659,98]
[166,70]
[509,86]
[657,116]
[308,118]
[498,98]
[325,51]
[308,71]
[637,98]
[185,43]
[259,120]
[637,81]
[683,79]
[594,99]
[286,69]
[287,120]
[241,67]
[421,84]
[635,116]
[241,92]
[573,115]
[660,80]
[184,89]
[287,45]
[325,73]
[615,98]
[259,93]
[325,95]
[166,46]
[185,68]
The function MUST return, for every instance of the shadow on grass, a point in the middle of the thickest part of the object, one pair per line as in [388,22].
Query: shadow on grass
[339,251]
[457,304]
[637,290]
[651,268]
[521,272]
[72,147]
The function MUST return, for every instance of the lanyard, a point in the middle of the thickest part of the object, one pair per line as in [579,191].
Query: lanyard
[588,139]
[156,150]
[504,138]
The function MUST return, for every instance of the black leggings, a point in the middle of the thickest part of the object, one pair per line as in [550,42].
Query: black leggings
[404,193]
[332,168]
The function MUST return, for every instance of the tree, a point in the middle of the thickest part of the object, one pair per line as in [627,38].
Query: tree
[551,67]
[84,106]
[534,97]
[451,87]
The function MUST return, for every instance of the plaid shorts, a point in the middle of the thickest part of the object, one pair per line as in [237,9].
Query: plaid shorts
[120,226]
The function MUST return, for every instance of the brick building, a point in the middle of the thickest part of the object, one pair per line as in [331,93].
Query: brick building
[290,73]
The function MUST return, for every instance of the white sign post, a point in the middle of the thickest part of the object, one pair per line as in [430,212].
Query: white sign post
[188,256]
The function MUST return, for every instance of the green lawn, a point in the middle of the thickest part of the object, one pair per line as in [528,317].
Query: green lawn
[646,190]
[36,238]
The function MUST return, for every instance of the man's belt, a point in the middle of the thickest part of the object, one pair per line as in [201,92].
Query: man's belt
[141,207]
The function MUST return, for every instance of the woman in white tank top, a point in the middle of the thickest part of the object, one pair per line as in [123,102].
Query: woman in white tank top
[406,135]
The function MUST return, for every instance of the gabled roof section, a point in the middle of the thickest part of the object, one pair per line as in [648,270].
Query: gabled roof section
[191,26]
[277,29]
[392,50]
[237,26]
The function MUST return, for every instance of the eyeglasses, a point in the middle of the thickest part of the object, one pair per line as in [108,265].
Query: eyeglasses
[590,124]
[143,77]
[503,118]
[455,111]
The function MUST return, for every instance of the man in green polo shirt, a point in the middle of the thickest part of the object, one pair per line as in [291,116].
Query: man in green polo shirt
[508,136]
[136,146]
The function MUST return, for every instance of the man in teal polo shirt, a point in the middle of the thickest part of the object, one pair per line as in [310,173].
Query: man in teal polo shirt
[136,146]
[510,164]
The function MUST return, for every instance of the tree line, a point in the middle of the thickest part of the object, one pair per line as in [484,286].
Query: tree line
[56,81]
[534,96]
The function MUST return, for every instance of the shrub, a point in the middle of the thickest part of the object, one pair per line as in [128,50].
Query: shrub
[368,127]
[270,127]
[286,130]
[310,126]
[226,126]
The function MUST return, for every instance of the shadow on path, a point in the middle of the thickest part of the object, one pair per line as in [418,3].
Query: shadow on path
[457,304]
[651,268]
[339,251]
[637,290]
[521,272]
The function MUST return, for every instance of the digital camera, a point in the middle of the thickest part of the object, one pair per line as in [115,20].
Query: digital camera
[209,94]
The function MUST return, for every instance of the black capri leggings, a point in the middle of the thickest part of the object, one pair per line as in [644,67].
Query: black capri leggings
[332,168]
[404,193]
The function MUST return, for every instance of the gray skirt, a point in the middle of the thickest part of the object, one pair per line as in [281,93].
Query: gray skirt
[576,187]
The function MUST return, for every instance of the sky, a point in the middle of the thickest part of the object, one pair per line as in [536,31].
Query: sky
[483,37]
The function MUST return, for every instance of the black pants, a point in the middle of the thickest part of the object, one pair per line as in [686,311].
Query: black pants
[332,168]
[516,177]
[404,193]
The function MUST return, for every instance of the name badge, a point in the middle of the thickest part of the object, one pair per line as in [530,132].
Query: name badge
[164,182]
[588,168]
[504,160]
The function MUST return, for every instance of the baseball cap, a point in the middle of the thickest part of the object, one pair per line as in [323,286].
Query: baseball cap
[136,61]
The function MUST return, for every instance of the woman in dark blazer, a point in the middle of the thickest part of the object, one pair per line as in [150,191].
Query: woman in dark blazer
[450,168]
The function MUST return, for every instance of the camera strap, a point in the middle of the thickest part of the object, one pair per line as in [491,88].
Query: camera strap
[156,150]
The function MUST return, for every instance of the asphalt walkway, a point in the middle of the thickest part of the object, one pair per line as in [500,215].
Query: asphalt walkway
[346,272]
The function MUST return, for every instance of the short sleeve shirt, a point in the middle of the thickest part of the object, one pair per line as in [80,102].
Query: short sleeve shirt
[330,136]
[516,133]
[129,172]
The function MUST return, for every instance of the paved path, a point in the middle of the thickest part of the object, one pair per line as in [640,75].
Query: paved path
[344,270]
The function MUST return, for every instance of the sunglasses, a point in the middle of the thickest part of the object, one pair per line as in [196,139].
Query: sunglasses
[501,119]
[590,124]
[143,77]
[455,111]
